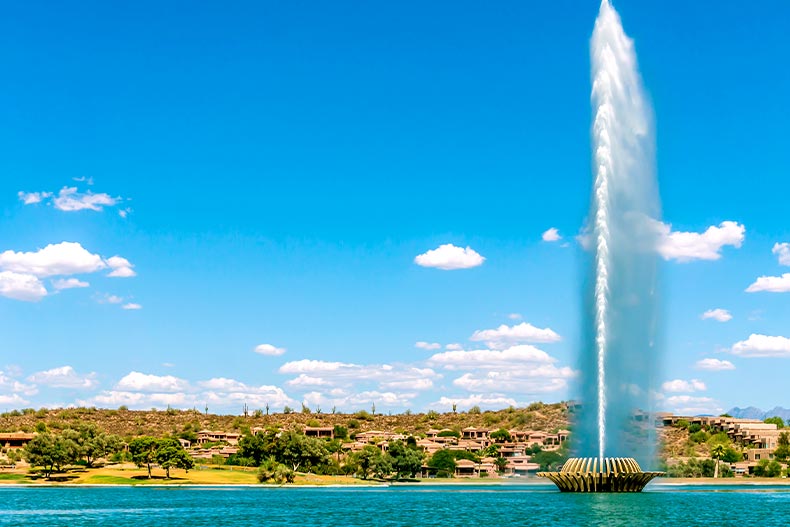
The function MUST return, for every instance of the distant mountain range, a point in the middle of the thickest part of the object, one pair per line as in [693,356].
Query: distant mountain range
[751,412]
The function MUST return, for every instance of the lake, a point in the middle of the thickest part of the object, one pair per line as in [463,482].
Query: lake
[450,505]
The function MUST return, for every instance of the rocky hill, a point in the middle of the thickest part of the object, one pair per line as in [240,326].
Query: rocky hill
[130,423]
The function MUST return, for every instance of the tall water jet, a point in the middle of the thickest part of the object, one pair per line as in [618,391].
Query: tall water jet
[619,357]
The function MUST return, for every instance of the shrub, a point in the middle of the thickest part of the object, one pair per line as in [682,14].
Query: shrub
[475,410]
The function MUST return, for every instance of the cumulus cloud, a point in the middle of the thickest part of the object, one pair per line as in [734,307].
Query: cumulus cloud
[762,346]
[524,332]
[218,392]
[385,377]
[689,246]
[692,405]
[492,401]
[721,315]
[21,272]
[269,349]
[121,267]
[64,377]
[515,316]
[714,365]
[131,306]
[782,251]
[771,284]
[427,345]
[453,347]
[68,283]
[523,380]
[353,400]
[448,257]
[12,400]
[681,386]
[30,198]
[140,382]
[20,286]
[551,235]
[65,258]
[492,359]
[70,200]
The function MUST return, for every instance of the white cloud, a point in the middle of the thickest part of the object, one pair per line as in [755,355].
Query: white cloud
[515,316]
[762,346]
[689,246]
[714,365]
[771,284]
[350,401]
[493,401]
[135,381]
[692,405]
[427,345]
[524,332]
[12,400]
[8,382]
[307,380]
[68,283]
[385,377]
[64,377]
[84,179]
[494,359]
[314,366]
[69,200]
[132,306]
[65,258]
[30,198]
[21,286]
[782,250]
[542,378]
[448,257]
[551,235]
[268,349]
[721,315]
[110,299]
[681,386]
[454,347]
[121,268]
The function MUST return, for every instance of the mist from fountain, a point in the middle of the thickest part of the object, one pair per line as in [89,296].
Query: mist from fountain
[619,357]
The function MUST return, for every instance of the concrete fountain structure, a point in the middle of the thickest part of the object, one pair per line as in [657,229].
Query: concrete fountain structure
[619,358]
[619,474]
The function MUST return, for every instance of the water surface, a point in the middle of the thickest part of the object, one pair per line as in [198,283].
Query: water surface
[394,506]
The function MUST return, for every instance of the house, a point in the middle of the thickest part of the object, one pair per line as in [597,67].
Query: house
[209,436]
[321,432]
[15,439]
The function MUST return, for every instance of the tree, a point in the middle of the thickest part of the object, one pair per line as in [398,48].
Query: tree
[767,469]
[170,454]
[405,461]
[254,449]
[296,449]
[501,435]
[501,464]
[50,452]
[782,451]
[717,452]
[366,461]
[443,462]
[143,452]
[548,460]
[341,432]
[778,421]
[94,443]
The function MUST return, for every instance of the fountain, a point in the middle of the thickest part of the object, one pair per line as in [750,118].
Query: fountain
[618,363]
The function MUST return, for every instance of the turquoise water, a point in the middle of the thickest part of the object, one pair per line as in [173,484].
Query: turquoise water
[467,506]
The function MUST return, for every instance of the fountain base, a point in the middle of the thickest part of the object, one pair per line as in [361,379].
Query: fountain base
[619,474]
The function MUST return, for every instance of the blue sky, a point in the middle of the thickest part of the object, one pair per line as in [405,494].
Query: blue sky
[269,171]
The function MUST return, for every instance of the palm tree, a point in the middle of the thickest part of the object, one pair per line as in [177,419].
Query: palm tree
[717,452]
